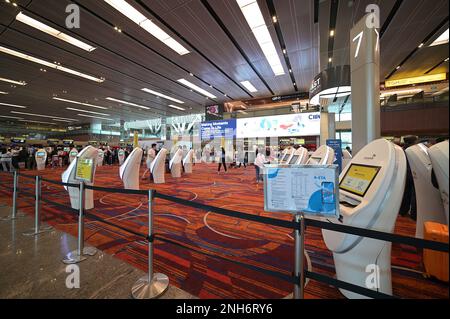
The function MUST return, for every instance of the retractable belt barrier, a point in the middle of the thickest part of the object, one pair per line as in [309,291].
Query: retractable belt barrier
[295,225]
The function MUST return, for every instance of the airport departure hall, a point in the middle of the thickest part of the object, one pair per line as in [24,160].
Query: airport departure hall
[224,149]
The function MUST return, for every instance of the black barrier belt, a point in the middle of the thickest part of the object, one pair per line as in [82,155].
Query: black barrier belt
[70,209]
[27,194]
[276,274]
[347,286]
[26,176]
[76,185]
[96,218]
[231,213]
[416,242]
[117,190]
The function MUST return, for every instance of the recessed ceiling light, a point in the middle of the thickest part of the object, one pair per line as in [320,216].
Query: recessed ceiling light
[442,39]
[398,67]
[330,59]
[176,107]
[1,92]
[86,111]
[13,105]
[53,32]
[331,33]
[96,117]
[42,115]
[137,17]
[49,64]
[80,103]
[255,20]
[196,88]
[128,103]
[39,122]
[13,81]
[162,95]
[446,60]
[249,86]
[274,19]
[420,45]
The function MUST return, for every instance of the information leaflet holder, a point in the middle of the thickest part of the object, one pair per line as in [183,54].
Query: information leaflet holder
[301,190]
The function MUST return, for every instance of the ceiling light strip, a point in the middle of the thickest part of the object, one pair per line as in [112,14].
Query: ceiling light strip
[13,105]
[127,103]
[86,111]
[12,117]
[42,115]
[162,95]
[80,103]
[13,81]
[196,88]
[96,117]
[249,86]
[177,107]
[40,122]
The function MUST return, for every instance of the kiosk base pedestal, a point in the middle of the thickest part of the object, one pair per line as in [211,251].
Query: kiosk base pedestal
[142,289]
[73,257]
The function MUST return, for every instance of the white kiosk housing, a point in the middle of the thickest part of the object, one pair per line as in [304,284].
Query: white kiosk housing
[73,154]
[324,155]
[371,188]
[68,176]
[129,171]
[41,159]
[158,166]
[298,157]
[101,155]
[121,156]
[346,158]
[175,163]
[285,155]
[428,197]
[439,158]
[187,162]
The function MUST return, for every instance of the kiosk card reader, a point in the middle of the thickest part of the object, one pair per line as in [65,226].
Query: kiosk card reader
[82,167]
[41,159]
[187,162]
[175,163]
[371,188]
[121,156]
[158,166]
[439,158]
[73,154]
[298,157]
[324,155]
[428,197]
[129,171]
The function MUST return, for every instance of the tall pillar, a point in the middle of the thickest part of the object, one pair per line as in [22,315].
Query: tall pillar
[365,82]
[327,127]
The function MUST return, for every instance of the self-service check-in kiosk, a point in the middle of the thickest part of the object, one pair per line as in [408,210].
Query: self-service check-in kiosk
[41,159]
[158,166]
[121,156]
[298,157]
[187,162]
[85,162]
[175,164]
[324,155]
[428,197]
[346,158]
[101,156]
[73,154]
[439,159]
[285,155]
[129,170]
[371,188]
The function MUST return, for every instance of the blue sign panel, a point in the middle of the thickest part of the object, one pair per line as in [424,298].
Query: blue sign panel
[218,129]
[336,145]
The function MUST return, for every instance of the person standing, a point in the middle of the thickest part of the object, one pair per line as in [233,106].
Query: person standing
[151,155]
[222,160]
[259,164]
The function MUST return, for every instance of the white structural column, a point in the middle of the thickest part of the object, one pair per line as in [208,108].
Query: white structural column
[365,80]
[327,127]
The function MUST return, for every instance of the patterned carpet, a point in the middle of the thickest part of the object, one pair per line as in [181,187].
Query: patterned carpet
[257,244]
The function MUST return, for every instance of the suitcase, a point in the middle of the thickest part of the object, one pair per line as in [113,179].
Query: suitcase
[436,262]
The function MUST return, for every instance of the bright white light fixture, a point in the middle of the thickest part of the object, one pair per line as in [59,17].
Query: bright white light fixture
[49,64]
[80,103]
[39,122]
[162,95]
[58,120]
[12,117]
[128,103]
[1,92]
[255,20]
[177,107]
[86,111]
[13,81]
[196,88]
[249,86]
[13,105]
[134,15]
[96,117]
[42,115]
[53,32]
[442,39]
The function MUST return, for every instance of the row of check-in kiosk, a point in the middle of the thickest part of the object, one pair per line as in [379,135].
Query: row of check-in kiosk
[371,188]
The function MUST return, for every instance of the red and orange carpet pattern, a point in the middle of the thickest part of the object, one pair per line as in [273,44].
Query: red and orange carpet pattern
[261,245]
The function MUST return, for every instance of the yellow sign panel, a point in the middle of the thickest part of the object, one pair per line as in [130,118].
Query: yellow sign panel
[85,169]
[358,179]
[417,79]
[135,139]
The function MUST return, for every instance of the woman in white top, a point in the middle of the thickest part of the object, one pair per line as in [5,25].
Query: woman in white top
[259,163]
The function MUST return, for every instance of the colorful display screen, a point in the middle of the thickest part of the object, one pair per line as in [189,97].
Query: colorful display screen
[40,154]
[293,159]
[358,178]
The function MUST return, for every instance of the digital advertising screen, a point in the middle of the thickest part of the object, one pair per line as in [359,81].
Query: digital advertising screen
[217,129]
[358,178]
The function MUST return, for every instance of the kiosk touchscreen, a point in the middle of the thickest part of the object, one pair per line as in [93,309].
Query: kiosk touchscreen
[428,197]
[81,169]
[371,188]
[175,163]
[158,166]
[187,162]
[285,155]
[73,154]
[101,156]
[298,157]
[324,155]
[41,159]
[439,159]
[129,170]
[121,156]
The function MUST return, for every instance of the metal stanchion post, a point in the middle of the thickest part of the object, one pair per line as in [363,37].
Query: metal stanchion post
[299,257]
[38,229]
[81,252]
[14,214]
[152,285]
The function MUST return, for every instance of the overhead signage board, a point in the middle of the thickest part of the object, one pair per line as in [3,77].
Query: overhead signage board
[416,80]
[218,129]
[299,124]
[18,140]
[310,189]
[84,169]
[214,112]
